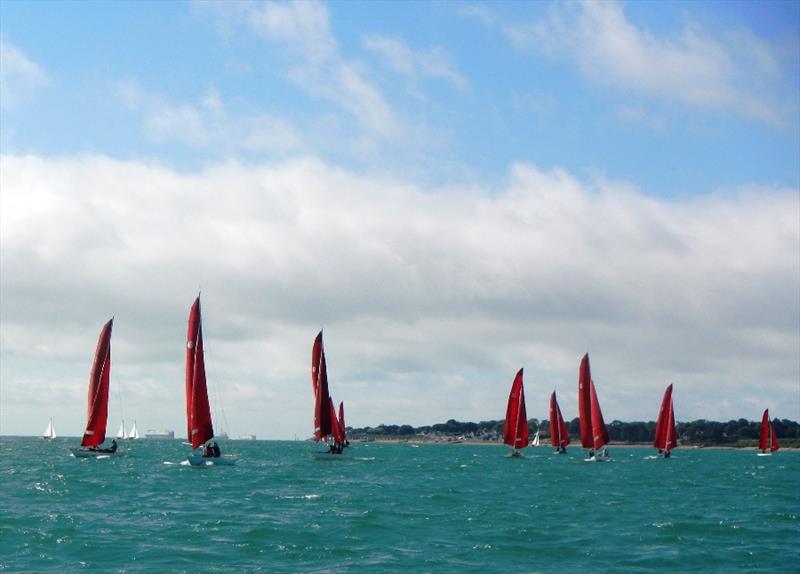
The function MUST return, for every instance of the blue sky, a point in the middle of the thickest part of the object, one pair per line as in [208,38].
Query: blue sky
[470,176]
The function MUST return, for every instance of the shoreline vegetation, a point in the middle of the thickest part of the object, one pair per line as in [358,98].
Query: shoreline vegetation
[702,433]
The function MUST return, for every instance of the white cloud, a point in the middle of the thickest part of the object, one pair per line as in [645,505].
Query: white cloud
[207,123]
[19,75]
[418,290]
[414,64]
[316,64]
[734,70]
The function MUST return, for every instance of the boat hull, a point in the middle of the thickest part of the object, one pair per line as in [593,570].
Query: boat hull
[85,453]
[199,460]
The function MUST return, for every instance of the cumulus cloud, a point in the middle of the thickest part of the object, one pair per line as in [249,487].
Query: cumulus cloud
[431,299]
[734,70]
[20,76]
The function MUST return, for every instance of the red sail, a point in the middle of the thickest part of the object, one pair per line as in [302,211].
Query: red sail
[664,411]
[584,403]
[763,437]
[669,439]
[599,433]
[341,421]
[559,434]
[515,433]
[198,412]
[773,443]
[316,354]
[99,379]
[322,410]
[337,431]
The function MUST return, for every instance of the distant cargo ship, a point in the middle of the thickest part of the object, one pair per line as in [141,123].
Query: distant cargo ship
[246,437]
[163,434]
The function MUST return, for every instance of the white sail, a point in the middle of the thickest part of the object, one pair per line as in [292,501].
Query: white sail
[134,434]
[121,431]
[50,431]
[535,441]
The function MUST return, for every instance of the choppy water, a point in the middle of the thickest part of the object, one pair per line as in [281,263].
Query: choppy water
[390,508]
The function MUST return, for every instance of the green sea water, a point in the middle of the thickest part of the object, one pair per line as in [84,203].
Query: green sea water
[396,507]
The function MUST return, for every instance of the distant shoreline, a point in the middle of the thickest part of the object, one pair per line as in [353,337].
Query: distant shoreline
[418,441]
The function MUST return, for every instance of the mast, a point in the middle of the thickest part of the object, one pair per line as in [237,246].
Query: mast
[199,427]
[99,378]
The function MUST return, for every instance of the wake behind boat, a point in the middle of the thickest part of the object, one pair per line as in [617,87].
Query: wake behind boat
[594,435]
[97,415]
[200,429]
[515,428]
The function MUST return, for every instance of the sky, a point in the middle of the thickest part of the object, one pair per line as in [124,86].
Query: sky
[451,190]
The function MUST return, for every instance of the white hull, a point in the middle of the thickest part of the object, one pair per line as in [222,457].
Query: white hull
[200,460]
[764,454]
[86,453]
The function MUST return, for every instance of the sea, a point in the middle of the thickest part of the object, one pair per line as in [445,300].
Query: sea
[396,508]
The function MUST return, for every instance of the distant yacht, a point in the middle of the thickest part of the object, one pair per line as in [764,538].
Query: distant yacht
[50,431]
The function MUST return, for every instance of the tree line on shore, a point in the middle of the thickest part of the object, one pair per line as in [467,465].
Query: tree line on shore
[701,432]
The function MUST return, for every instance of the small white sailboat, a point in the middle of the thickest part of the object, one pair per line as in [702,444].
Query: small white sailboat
[535,440]
[50,431]
[121,434]
[134,434]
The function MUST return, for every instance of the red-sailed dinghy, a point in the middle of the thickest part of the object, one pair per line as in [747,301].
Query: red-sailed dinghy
[767,439]
[665,439]
[592,427]
[97,412]
[515,431]
[559,434]
[199,427]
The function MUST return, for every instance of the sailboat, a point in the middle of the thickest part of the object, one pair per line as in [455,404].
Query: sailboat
[200,429]
[559,434]
[326,424]
[767,439]
[515,430]
[592,427]
[134,434]
[97,415]
[535,440]
[49,432]
[122,433]
[665,440]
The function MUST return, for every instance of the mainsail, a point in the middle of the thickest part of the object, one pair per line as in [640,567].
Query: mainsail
[767,439]
[198,412]
[559,434]
[322,401]
[97,415]
[665,424]
[515,433]
[592,427]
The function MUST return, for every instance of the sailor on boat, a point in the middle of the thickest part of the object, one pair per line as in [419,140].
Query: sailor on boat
[212,450]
